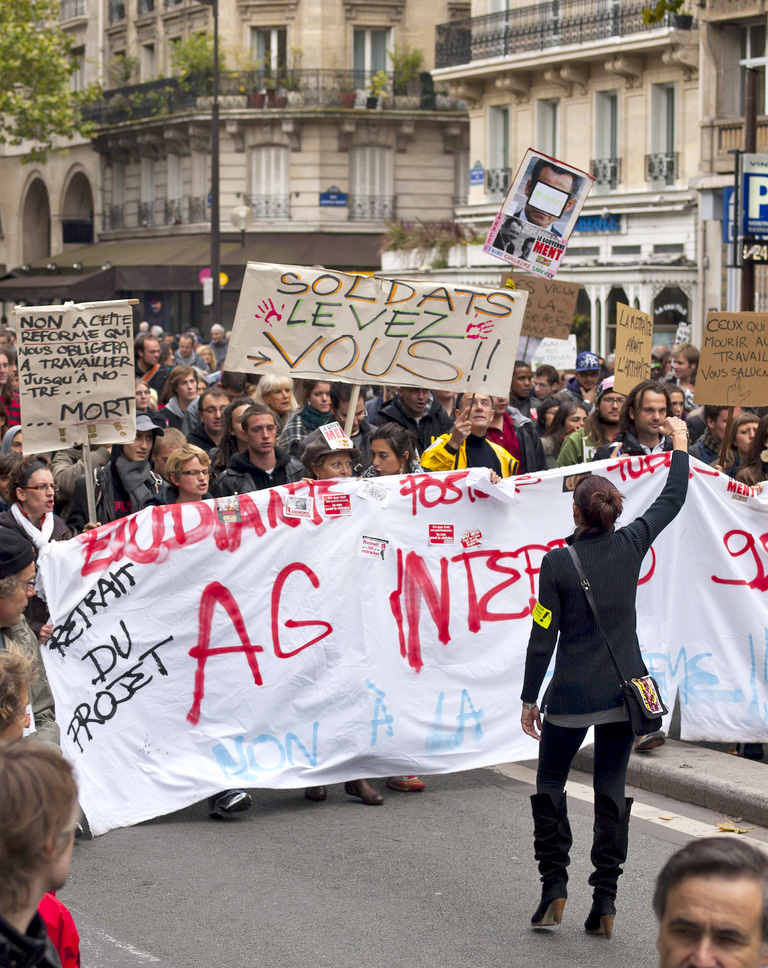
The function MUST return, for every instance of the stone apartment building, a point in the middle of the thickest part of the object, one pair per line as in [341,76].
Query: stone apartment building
[586,81]
[321,138]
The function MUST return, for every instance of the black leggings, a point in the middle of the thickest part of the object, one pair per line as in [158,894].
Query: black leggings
[559,745]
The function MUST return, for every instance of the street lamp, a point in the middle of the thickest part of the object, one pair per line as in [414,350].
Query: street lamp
[215,231]
[242,218]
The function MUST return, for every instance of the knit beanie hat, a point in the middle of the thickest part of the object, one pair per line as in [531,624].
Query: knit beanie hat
[16,552]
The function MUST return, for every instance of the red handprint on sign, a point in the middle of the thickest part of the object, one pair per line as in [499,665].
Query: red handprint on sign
[266,311]
[480,330]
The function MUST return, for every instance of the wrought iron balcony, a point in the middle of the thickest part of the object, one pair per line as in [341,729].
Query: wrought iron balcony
[661,167]
[173,210]
[114,218]
[69,9]
[606,171]
[362,207]
[549,23]
[269,206]
[331,89]
[497,180]
[146,214]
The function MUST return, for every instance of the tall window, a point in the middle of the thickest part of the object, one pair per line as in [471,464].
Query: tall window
[270,182]
[548,126]
[498,173]
[605,166]
[77,78]
[369,52]
[372,185]
[116,212]
[662,160]
[147,65]
[147,192]
[199,200]
[173,200]
[752,55]
[269,46]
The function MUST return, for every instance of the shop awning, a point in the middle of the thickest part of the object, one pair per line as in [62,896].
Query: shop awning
[173,264]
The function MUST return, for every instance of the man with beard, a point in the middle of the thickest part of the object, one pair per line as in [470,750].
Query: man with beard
[642,414]
[418,411]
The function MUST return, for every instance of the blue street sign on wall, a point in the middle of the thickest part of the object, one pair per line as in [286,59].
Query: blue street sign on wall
[728,218]
[333,197]
[476,174]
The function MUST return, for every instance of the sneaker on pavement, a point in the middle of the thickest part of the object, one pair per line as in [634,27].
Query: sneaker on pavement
[405,784]
[224,804]
[651,741]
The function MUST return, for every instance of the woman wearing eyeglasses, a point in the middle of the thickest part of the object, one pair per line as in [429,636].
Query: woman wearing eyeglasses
[189,471]
[33,494]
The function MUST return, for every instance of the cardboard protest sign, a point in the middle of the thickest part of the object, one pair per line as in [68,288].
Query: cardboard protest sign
[319,323]
[538,215]
[634,339]
[733,367]
[76,374]
[381,637]
[550,307]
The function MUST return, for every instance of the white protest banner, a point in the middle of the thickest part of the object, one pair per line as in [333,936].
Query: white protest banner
[560,353]
[192,652]
[538,215]
[302,322]
[76,374]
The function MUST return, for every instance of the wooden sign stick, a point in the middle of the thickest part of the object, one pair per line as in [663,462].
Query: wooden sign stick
[726,438]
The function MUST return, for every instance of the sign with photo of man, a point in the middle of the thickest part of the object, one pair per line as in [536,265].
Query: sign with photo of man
[538,215]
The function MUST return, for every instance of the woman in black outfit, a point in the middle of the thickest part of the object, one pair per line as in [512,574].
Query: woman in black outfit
[585,689]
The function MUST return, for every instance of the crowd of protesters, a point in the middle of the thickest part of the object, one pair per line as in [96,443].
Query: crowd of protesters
[204,432]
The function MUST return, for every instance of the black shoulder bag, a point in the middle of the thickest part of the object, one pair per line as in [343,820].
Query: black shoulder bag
[641,695]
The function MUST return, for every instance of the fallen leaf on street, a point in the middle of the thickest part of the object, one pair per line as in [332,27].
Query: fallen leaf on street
[729,827]
[669,816]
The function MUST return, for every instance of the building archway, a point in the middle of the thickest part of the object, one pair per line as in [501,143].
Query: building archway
[77,212]
[36,223]
[671,307]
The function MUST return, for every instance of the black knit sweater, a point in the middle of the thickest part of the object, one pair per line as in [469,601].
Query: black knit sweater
[585,679]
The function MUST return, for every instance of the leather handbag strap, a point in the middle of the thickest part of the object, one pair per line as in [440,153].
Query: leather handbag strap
[584,582]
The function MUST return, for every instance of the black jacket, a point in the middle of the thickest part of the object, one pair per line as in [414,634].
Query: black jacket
[158,381]
[532,456]
[199,437]
[242,476]
[585,679]
[630,447]
[31,950]
[432,425]
[77,516]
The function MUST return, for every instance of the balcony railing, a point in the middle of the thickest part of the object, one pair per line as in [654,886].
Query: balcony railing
[116,11]
[269,206]
[113,219]
[606,171]
[661,167]
[146,214]
[375,207]
[550,23]
[173,208]
[69,9]
[258,89]
[497,180]
[198,208]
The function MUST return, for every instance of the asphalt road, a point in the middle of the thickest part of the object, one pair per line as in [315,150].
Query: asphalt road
[440,879]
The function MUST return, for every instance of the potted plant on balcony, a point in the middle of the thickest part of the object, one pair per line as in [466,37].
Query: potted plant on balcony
[671,8]
[378,87]
[406,63]
[345,83]
[249,72]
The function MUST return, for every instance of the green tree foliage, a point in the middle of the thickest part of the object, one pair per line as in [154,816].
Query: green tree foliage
[36,103]
[194,56]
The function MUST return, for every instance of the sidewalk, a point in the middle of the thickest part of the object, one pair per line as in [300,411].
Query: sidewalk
[727,784]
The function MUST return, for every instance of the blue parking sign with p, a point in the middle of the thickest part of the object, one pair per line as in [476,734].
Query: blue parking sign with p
[755,197]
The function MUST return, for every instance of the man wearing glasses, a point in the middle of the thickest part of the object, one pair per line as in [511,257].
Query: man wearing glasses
[17,586]
[210,408]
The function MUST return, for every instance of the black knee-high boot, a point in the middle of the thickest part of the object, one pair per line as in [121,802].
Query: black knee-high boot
[552,841]
[609,852]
